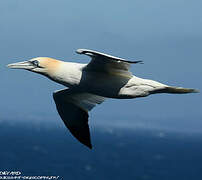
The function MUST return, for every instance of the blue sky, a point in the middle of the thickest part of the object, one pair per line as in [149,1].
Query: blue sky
[166,35]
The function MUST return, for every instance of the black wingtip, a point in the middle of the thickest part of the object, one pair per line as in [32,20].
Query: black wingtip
[90,146]
[138,62]
[86,142]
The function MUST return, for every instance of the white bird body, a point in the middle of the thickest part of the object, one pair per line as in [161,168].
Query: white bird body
[111,85]
[89,84]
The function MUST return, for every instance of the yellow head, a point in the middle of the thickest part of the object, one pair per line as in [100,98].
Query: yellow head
[41,65]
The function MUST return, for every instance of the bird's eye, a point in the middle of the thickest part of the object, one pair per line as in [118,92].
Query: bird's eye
[35,62]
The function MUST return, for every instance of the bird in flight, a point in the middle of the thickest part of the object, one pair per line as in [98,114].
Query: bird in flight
[105,76]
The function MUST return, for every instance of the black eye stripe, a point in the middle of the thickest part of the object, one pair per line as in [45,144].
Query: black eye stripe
[35,62]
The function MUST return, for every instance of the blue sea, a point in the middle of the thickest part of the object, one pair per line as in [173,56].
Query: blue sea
[42,149]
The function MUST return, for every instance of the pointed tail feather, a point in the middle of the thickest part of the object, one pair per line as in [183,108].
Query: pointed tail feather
[180,90]
[174,90]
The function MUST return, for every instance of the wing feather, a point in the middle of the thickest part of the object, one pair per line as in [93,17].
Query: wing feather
[101,62]
[73,109]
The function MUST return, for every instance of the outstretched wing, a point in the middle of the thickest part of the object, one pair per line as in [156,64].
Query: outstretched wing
[73,108]
[106,63]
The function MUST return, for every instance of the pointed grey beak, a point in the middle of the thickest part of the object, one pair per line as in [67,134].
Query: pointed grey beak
[21,65]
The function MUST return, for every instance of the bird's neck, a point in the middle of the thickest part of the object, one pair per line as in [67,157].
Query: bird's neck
[67,74]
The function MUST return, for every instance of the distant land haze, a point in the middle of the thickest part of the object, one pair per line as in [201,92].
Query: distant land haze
[134,154]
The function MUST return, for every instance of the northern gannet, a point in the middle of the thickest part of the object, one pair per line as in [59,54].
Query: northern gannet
[89,84]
